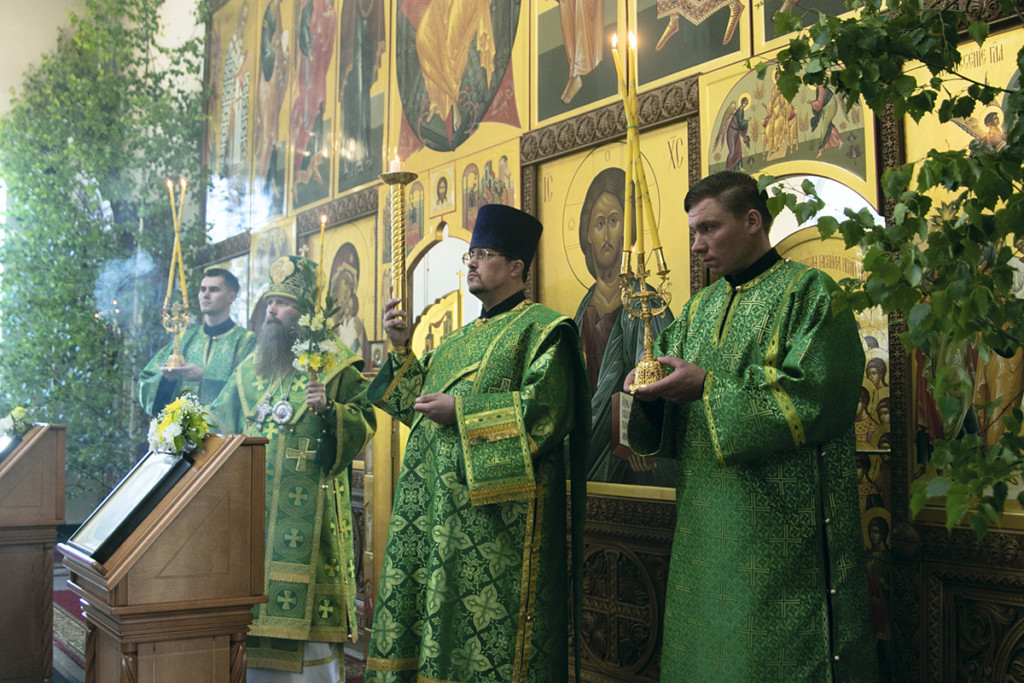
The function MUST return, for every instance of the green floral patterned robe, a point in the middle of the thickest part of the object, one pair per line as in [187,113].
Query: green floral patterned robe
[475,581]
[309,572]
[217,354]
[767,580]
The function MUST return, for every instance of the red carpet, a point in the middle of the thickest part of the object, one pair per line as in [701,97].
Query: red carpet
[354,670]
[69,625]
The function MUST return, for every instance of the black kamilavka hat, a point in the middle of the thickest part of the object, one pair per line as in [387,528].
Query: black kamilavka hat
[506,229]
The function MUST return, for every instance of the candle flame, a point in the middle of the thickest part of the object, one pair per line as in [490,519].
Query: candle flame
[615,41]
[632,40]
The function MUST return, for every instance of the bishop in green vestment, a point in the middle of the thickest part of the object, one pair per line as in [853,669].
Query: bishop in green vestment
[211,352]
[475,582]
[316,427]
[767,580]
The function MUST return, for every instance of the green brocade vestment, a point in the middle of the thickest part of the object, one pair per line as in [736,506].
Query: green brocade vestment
[767,580]
[309,570]
[218,354]
[475,585]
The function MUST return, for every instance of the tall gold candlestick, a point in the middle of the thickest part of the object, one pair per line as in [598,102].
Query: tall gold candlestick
[398,179]
[321,279]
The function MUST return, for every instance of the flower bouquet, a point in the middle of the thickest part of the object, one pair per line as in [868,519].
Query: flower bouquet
[316,346]
[16,423]
[180,427]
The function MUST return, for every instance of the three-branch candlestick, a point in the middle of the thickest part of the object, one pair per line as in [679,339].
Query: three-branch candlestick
[175,320]
[641,301]
[398,180]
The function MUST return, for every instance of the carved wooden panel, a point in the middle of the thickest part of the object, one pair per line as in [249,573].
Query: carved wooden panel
[975,624]
[657,107]
[342,210]
[627,543]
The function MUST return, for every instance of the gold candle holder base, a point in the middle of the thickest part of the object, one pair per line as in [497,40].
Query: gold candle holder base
[175,320]
[648,371]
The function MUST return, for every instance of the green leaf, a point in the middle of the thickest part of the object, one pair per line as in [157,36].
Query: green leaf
[938,486]
[788,84]
[917,315]
[979,525]
[827,226]
[978,31]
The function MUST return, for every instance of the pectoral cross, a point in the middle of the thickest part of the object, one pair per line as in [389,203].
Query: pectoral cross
[262,410]
[300,455]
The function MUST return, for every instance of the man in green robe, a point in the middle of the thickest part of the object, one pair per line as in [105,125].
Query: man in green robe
[767,580]
[211,352]
[475,582]
[316,427]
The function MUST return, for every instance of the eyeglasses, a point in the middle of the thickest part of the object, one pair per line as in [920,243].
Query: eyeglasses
[479,255]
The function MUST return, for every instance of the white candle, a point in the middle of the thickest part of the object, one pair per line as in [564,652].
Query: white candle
[396,165]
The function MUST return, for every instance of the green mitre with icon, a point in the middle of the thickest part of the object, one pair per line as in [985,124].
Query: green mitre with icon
[294,277]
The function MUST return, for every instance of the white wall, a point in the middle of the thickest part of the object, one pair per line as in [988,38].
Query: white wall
[31,27]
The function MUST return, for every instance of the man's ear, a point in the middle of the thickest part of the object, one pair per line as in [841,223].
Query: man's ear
[234,295]
[755,224]
[517,268]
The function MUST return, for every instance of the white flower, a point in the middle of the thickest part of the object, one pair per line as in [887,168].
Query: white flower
[170,431]
[6,424]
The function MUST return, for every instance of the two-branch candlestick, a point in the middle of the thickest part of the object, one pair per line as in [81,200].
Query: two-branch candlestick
[638,298]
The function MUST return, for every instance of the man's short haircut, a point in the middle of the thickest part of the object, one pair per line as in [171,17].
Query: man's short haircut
[230,281]
[736,192]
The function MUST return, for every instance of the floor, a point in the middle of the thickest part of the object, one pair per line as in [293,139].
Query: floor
[65,668]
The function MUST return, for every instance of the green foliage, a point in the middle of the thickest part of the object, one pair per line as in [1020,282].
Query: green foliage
[946,267]
[91,136]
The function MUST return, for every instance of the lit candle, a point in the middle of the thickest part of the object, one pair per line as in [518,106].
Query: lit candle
[320,263]
[649,210]
[396,165]
[181,274]
[631,66]
[628,208]
[170,271]
[177,237]
[637,189]
[618,66]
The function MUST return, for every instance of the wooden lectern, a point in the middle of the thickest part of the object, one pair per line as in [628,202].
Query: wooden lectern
[31,509]
[170,564]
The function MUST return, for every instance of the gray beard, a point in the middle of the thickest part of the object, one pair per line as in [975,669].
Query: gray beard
[274,349]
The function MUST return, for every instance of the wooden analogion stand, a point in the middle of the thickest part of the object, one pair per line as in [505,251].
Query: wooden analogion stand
[170,564]
[31,509]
